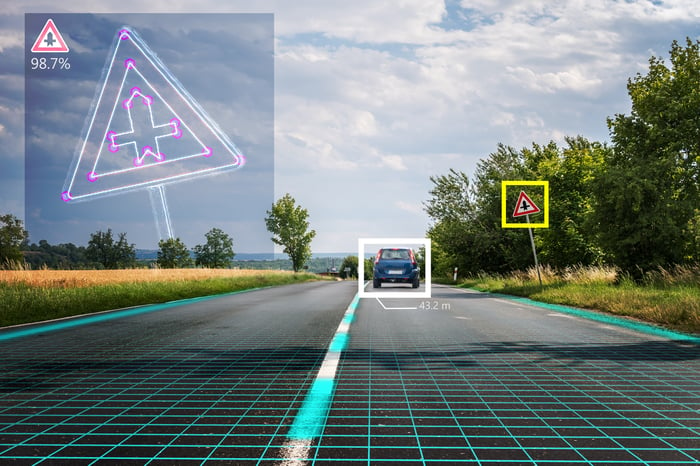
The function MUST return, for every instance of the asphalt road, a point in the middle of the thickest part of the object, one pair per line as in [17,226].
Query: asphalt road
[460,378]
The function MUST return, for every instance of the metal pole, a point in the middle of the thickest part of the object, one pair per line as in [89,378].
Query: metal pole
[534,251]
[160,212]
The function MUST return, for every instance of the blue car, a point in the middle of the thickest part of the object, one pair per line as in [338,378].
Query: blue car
[396,265]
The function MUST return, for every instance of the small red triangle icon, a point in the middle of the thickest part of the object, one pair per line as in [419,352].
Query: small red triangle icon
[524,206]
[49,40]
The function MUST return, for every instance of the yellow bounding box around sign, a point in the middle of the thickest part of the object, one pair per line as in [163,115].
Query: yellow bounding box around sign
[504,207]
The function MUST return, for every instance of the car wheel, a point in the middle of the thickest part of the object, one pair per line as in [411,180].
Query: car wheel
[376,283]
[416,283]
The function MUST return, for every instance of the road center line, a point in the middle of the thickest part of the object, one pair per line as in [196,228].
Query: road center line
[311,418]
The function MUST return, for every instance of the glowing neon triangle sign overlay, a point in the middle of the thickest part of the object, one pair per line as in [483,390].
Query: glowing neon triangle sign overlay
[144,130]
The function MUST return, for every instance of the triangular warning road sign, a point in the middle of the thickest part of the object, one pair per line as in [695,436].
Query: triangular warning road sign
[524,206]
[49,40]
[145,130]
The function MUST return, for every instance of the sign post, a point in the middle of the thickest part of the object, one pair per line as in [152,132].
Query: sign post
[534,251]
[525,207]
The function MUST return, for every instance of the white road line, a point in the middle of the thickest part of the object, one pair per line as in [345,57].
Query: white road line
[311,417]
[295,452]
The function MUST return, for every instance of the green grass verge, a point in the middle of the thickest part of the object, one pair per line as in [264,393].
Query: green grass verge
[675,307]
[21,303]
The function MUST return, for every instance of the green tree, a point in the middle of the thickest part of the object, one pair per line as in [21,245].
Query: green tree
[349,262]
[497,249]
[570,171]
[450,197]
[369,269]
[111,254]
[172,253]
[12,235]
[646,199]
[467,231]
[420,258]
[289,226]
[217,252]
[61,256]
[452,211]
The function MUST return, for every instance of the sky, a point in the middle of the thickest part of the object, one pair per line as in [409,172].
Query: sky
[371,98]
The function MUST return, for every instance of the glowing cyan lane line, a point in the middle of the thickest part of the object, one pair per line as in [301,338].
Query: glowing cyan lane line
[311,418]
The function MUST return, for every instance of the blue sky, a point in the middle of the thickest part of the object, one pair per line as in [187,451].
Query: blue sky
[371,99]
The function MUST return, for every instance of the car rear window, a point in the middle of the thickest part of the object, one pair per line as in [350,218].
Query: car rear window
[395,254]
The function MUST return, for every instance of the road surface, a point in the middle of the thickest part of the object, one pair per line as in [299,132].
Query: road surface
[462,378]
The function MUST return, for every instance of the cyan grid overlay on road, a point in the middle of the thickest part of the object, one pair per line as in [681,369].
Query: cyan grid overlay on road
[405,398]
[92,395]
[404,393]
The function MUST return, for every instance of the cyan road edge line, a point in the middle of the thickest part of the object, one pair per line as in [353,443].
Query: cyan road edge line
[311,418]
[84,319]
[642,327]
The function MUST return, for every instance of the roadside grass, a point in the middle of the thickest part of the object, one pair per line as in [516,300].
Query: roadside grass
[33,296]
[669,298]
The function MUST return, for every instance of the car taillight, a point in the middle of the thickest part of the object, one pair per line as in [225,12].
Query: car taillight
[376,259]
[413,258]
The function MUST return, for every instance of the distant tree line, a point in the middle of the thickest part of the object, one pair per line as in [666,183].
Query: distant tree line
[634,203]
[287,222]
[104,251]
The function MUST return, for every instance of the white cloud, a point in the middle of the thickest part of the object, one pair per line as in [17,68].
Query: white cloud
[393,162]
[409,207]
[9,39]
[12,134]
[572,80]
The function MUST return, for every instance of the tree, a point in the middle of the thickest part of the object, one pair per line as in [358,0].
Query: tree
[646,200]
[217,252]
[369,269]
[451,198]
[61,256]
[290,228]
[173,253]
[12,235]
[350,262]
[570,170]
[467,230]
[420,259]
[451,207]
[110,254]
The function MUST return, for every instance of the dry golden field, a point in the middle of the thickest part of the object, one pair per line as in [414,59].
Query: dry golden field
[85,278]
[38,295]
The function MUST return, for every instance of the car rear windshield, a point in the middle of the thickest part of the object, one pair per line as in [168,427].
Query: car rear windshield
[396,254]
